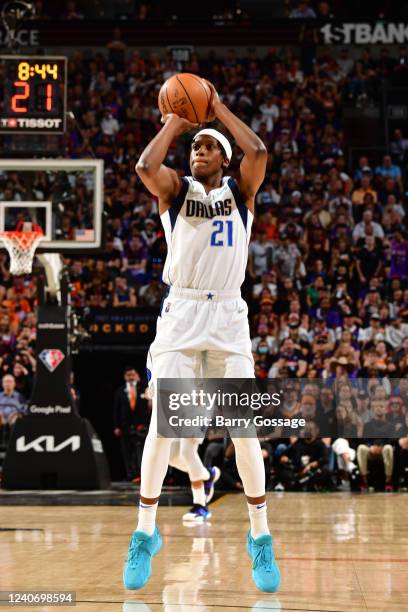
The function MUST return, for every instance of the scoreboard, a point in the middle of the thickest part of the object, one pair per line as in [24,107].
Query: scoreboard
[33,92]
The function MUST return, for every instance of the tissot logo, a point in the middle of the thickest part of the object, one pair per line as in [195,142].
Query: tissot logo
[46,444]
[31,123]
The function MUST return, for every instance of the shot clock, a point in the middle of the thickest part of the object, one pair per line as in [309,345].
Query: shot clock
[32,94]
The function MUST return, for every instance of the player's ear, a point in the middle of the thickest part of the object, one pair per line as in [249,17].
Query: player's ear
[225,163]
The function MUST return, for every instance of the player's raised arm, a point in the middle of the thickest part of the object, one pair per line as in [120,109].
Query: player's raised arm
[253,164]
[159,179]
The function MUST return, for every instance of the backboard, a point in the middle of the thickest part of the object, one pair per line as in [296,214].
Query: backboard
[63,197]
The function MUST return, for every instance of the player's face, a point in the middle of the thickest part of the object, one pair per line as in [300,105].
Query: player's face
[206,157]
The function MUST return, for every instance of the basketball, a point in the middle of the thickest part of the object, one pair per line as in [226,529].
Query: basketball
[187,95]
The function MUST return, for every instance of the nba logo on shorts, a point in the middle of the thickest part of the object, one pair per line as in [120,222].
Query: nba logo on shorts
[51,358]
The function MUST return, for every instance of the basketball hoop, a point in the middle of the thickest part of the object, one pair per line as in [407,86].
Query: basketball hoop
[21,247]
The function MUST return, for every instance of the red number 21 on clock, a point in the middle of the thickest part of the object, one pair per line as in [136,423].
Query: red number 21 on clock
[26,92]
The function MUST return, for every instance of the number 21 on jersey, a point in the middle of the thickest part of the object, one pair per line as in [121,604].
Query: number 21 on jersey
[218,237]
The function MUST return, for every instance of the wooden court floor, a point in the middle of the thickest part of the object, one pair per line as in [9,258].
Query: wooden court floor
[336,552]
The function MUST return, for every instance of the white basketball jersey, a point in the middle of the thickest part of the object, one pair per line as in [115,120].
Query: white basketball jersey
[207,237]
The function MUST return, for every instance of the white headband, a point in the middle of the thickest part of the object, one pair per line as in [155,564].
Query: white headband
[219,137]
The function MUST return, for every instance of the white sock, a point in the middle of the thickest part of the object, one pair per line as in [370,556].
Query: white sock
[198,495]
[351,466]
[147,518]
[258,518]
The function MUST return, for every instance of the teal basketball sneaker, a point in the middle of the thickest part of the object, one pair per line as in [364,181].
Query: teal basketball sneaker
[265,571]
[138,566]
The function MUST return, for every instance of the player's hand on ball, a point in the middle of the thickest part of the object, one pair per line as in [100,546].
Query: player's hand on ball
[215,99]
[181,124]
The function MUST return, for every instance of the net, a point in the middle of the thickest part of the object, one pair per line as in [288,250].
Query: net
[21,247]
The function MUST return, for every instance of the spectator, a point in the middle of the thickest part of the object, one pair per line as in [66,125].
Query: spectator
[396,413]
[286,258]
[302,11]
[22,379]
[263,342]
[399,256]
[378,431]
[365,188]
[71,11]
[368,227]
[345,455]
[131,415]
[290,360]
[268,282]
[326,412]
[269,112]
[369,260]
[123,296]
[153,293]
[324,11]
[12,403]
[403,455]
[346,63]
[259,254]
[109,125]
[135,260]
[117,49]
[308,458]
[399,146]
[363,407]
[388,169]
[396,331]
[402,359]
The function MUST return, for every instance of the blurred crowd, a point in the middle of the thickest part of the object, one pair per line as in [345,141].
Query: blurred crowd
[355,436]
[327,278]
[220,12]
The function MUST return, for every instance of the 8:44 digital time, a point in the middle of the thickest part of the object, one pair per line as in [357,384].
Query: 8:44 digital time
[27,71]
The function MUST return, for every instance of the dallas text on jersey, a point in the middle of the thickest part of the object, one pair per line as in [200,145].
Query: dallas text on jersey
[220,208]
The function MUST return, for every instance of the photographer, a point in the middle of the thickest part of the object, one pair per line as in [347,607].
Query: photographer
[304,466]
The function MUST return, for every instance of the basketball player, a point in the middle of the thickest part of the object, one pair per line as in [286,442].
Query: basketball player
[184,456]
[207,219]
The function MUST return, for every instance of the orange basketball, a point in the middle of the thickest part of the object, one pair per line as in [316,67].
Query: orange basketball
[187,95]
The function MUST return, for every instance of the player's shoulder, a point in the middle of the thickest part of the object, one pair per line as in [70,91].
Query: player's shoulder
[236,191]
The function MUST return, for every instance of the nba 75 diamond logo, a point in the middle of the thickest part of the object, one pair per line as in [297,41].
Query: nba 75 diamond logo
[51,358]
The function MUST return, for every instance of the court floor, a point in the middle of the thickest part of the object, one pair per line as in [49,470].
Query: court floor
[336,552]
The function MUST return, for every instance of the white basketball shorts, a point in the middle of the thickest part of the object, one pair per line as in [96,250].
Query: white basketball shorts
[201,334]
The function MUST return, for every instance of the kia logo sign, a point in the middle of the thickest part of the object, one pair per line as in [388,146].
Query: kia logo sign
[47,444]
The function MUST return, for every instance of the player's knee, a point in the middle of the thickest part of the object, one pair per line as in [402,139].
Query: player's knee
[188,449]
